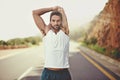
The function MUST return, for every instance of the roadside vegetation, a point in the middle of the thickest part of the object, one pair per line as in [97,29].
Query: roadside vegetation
[20,42]
[81,36]
[92,44]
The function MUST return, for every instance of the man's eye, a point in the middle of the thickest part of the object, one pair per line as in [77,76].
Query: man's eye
[53,20]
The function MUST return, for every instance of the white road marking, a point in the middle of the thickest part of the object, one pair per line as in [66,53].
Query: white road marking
[25,73]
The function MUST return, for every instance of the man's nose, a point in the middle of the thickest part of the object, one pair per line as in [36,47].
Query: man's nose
[56,22]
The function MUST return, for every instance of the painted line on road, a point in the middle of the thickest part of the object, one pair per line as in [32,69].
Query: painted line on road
[7,56]
[25,73]
[98,66]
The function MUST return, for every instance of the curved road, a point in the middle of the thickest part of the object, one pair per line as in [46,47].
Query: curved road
[81,68]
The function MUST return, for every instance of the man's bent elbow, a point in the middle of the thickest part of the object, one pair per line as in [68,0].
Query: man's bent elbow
[33,12]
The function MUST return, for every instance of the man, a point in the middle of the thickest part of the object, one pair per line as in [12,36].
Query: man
[56,43]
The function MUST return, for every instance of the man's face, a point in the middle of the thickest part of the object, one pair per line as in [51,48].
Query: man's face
[56,22]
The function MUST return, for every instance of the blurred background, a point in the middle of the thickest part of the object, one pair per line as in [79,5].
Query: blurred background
[94,24]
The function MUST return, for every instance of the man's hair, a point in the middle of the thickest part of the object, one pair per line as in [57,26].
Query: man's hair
[55,13]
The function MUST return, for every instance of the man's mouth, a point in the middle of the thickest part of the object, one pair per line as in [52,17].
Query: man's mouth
[56,26]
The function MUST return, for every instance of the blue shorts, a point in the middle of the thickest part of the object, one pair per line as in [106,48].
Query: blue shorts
[55,75]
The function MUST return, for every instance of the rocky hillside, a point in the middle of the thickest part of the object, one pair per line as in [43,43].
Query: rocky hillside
[106,26]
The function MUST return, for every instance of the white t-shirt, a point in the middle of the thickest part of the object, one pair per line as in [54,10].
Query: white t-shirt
[56,47]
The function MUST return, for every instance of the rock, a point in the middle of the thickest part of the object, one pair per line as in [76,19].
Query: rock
[106,26]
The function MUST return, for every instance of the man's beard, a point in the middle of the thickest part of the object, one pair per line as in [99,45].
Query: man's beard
[56,27]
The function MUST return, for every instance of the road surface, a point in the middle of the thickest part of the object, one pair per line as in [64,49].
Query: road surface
[80,67]
[15,64]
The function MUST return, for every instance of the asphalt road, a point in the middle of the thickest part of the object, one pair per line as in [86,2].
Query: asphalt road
[13,66]
[80,68]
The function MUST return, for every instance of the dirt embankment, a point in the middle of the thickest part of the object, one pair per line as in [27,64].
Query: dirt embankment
[12,47]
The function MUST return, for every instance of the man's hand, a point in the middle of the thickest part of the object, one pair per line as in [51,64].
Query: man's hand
[60,9]
[57,8]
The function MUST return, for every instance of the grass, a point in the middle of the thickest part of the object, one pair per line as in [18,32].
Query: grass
[115,54]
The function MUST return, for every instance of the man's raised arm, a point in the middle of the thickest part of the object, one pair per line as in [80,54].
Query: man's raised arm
[38,19]
[64,20]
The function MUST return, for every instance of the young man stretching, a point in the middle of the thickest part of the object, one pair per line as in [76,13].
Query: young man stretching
[56,43]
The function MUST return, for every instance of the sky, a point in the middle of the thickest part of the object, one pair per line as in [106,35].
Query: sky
[16,19]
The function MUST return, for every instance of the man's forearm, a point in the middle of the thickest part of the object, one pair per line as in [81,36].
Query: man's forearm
[64,22]
[42,10]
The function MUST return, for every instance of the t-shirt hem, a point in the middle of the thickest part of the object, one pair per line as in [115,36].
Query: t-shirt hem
[55,67]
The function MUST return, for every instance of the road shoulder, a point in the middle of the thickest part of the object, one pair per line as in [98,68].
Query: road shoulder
[108,62]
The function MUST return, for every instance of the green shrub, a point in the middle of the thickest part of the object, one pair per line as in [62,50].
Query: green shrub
[93,40]
[3,42]
[83,44]
[16,41]
[115,53]
[98,48]
[33,40]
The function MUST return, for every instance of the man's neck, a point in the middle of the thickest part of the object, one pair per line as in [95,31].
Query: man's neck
[55,30]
